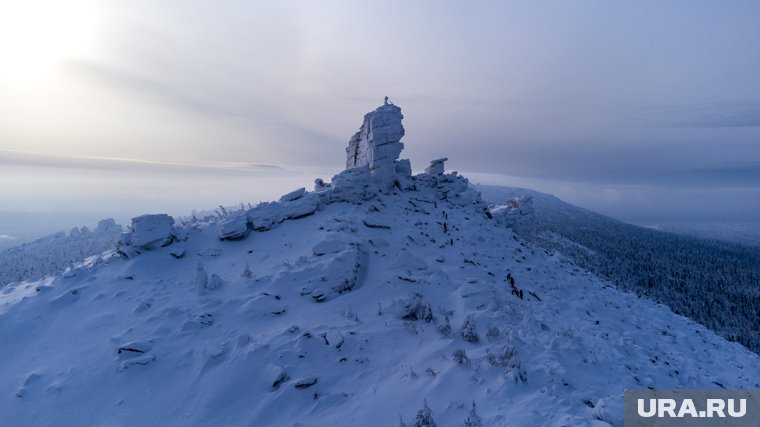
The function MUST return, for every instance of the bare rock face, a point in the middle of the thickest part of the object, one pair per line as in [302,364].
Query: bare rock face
[377,145]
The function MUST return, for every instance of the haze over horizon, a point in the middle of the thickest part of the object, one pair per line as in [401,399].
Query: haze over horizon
[647,111]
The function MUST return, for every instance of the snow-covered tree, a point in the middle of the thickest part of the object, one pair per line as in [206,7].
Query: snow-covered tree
[417,308]
[469,331]
[445,327]
[247,273]
[473,419]
[493,332]
[460,357]
[201,277]
[424,417]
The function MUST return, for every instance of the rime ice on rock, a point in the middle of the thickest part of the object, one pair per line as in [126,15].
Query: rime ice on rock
[150,232]
[234,227]
[373,166]
[404,174]
[436,166]
[377,145]
[516,212]
[293,195]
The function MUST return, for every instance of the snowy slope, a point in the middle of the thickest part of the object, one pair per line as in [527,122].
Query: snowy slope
[214,354]
[342,312]
[716,283]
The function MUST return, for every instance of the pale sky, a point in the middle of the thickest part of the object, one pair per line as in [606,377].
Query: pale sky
[643,110]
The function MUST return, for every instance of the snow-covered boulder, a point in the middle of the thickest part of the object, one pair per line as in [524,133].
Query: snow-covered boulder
[469,196]
[150,232]
[132,349]
[377,221]
[345,271]
[352,185]
[320,185]
[408,263]
[404,174]
[306,382]
[265,215]
[135,353]
[303,205]
[436,166]
[329,247]
[335,269]
[517,211]
[293,195]
[234,227]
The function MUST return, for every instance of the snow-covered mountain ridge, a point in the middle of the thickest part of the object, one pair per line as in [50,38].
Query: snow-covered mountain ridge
[716,283]
[376,296]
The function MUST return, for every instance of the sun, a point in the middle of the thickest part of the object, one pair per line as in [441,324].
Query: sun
[37,35]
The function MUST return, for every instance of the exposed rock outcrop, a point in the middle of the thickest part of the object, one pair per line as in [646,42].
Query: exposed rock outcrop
[372,167]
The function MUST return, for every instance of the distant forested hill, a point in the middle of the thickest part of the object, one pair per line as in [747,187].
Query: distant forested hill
[54,253]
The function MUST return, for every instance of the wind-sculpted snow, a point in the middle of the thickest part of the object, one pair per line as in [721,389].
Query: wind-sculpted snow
[713,282]
[404,301]
[138,341]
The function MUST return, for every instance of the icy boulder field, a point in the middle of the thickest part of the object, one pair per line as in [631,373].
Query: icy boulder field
[377,296]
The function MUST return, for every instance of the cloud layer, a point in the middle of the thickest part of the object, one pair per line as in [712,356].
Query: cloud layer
[661,97]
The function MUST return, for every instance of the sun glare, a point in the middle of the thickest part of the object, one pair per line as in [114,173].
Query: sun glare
[36,35]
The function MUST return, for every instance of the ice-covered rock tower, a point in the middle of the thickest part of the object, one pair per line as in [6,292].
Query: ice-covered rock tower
[372,157]
[377,145]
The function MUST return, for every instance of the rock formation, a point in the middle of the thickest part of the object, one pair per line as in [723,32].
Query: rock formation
[517,212]
[373,167]
[150,232]
[436,166]
[377,145]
